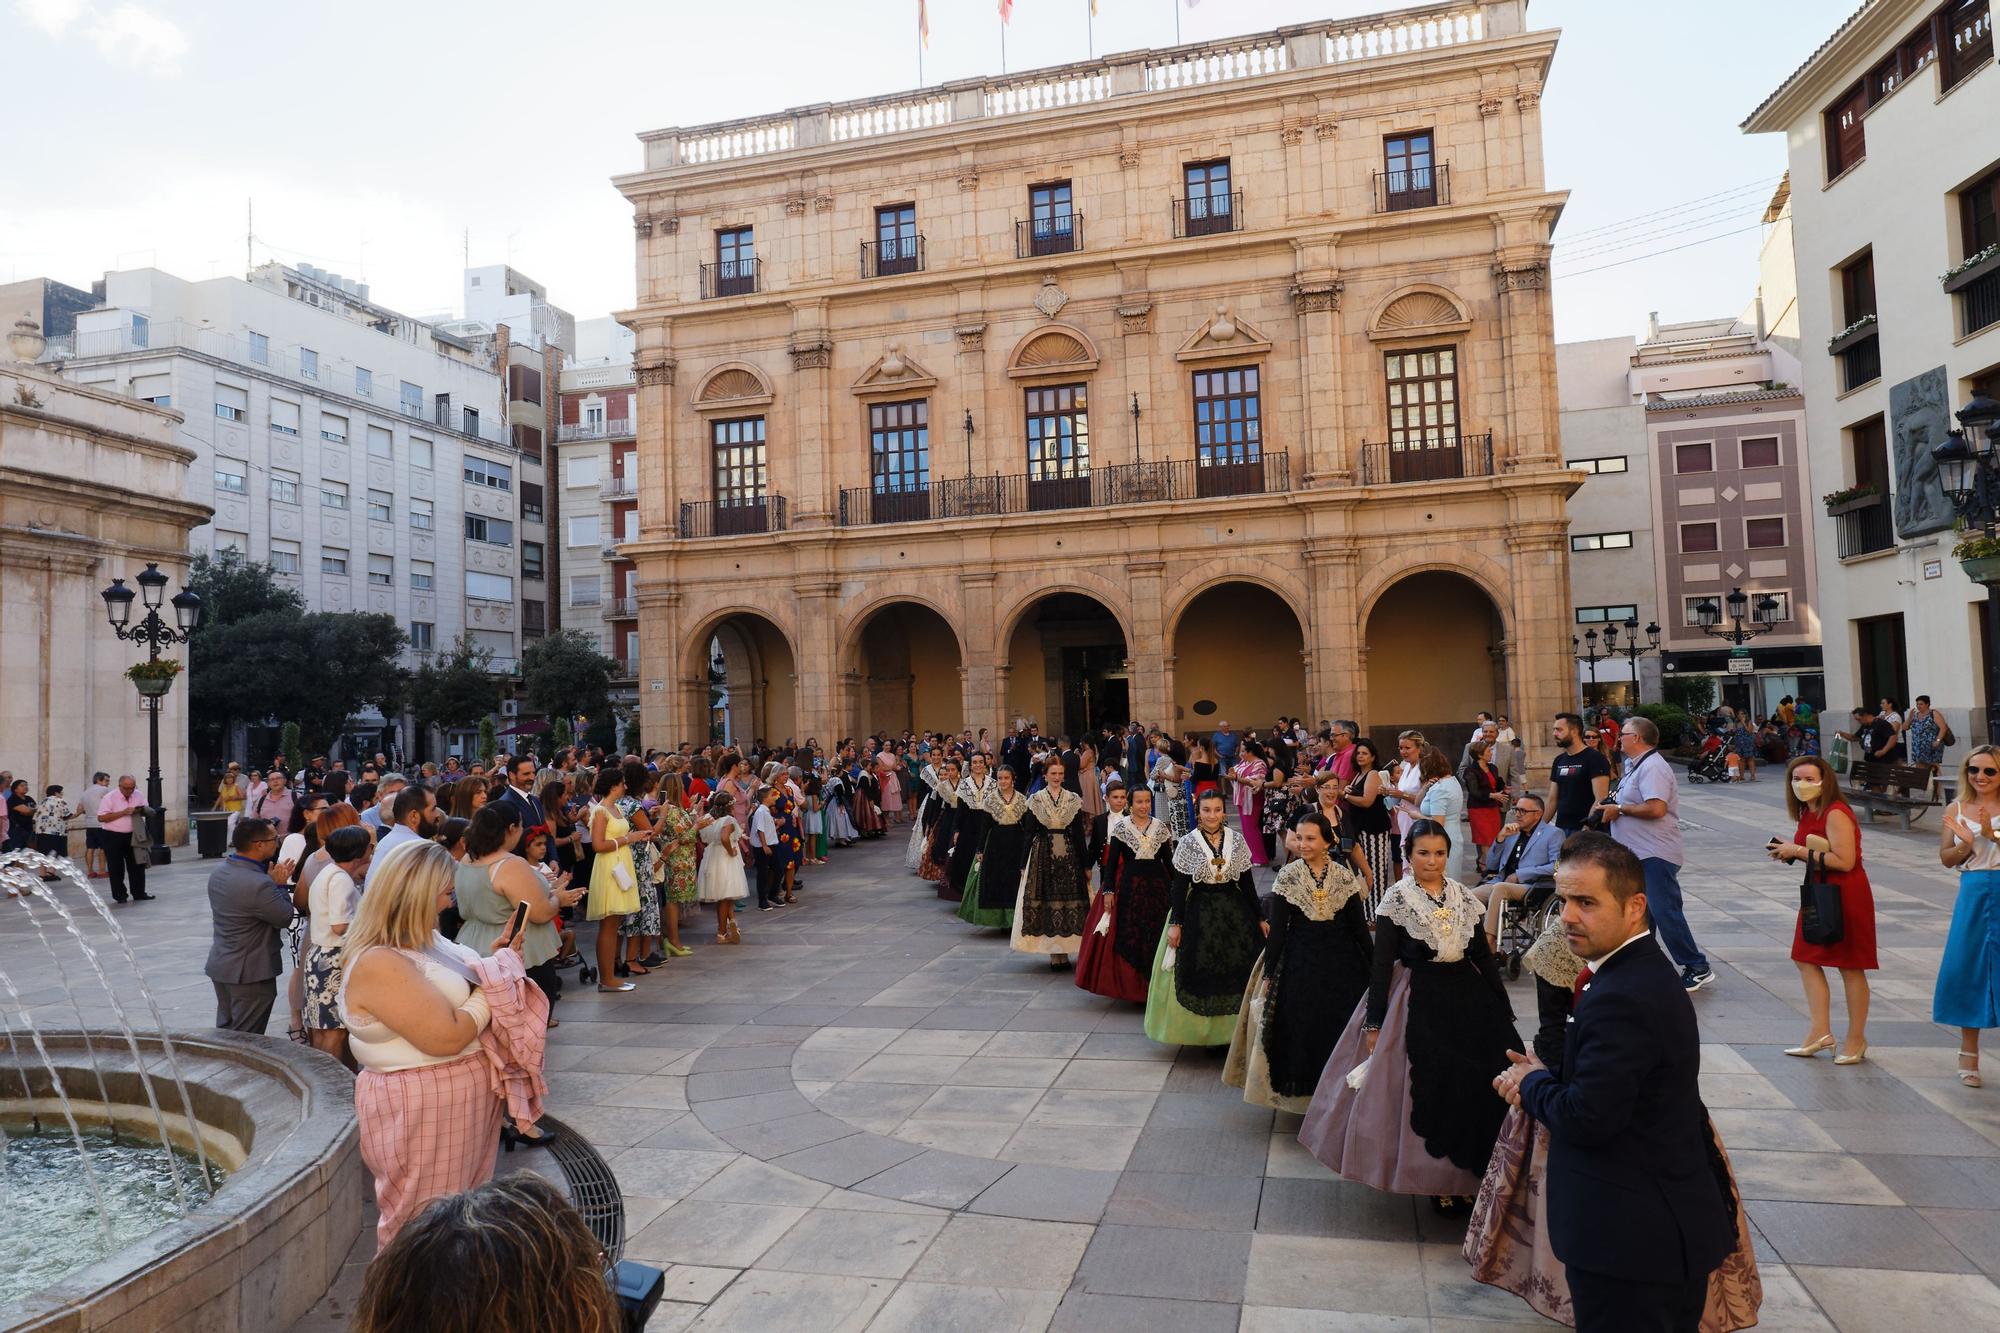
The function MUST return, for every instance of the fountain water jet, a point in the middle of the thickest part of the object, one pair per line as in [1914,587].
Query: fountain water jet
[62,1098]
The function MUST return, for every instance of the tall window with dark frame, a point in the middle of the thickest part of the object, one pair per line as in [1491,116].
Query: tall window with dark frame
[1978,287]
[1846,144]
[899,460]
[1864,525]
[898,248]
[1228,432]
[735,262]
[1858,344]
[1424,440]
[1051,219]
[741,476]
[1409,176]
[1058,446]
[1210,205]
[1967,38]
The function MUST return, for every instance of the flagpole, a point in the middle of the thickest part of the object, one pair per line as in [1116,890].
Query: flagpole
[1003,44]
[1089,29]
[1177,20]
[920,59]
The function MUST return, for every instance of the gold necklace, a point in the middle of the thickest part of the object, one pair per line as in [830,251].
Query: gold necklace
[1320,894]
[1215,857]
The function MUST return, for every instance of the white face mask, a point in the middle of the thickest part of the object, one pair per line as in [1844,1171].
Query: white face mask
[1807,790]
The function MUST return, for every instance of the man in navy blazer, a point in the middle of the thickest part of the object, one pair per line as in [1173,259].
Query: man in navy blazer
[520,792]
[1635,1211]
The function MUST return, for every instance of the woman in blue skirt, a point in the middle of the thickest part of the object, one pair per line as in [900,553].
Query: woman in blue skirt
[1968,980]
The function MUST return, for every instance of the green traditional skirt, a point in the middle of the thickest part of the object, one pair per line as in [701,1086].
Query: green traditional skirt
[969,910]
[1169,1022]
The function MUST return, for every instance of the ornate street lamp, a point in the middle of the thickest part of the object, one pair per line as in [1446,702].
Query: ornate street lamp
[153,679]
[1969,470]
[1589,657]
[1763,617]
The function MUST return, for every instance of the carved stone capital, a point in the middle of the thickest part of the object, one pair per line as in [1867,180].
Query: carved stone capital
[660,376]
[669,225]
[642,223]
[969,179]
[1128,158]
[1135,318]
[816,355]
[1528,98]
[1326,129]
[1317,296]
[1291,134]
[822,203]
[971,337]
[1489,107]
[1532,276]
[795,205]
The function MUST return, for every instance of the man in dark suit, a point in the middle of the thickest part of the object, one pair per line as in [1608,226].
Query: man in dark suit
[251,901]
[520,792]
[1635,1211]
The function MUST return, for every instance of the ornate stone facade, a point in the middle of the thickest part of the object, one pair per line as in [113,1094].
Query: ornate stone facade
[920,553]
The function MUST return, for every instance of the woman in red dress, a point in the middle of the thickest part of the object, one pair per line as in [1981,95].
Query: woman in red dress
[1812,793]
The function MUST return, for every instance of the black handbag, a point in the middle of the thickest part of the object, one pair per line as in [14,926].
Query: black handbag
[1820,919]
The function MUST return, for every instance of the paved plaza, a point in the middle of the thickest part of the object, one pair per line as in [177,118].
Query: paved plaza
[873,1116]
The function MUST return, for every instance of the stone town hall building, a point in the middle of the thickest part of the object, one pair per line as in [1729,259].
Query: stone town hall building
[1215,382]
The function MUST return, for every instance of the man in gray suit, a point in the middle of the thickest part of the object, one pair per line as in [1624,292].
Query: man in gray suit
[251,905]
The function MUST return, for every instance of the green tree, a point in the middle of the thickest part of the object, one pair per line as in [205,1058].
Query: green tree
[564,674]
[455,688]
[353,664]
[290,745]
[233,592]
[488,744]
[560,734]
[1690,694]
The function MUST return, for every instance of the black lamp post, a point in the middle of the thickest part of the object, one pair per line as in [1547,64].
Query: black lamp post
[155,634]
[1970,473]
[1633,649]
[1589,656]
[1763,617]
[968,444]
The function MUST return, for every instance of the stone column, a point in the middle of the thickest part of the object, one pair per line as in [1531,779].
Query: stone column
[1336,674]
[664,717]
[812,448]
[982,685]
[1148,653]
[817,686]
[1528,359]
[1322,461]
[660,474]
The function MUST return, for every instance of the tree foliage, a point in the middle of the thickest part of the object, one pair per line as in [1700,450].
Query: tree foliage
[560,733]
[456,688]
[564,674]
[291,745]
[1690,694]
[488,745]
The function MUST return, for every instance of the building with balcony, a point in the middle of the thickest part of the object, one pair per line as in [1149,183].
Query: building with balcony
[1275,433]
[1896,206]
[1692,442]
[596,436]
[367,456]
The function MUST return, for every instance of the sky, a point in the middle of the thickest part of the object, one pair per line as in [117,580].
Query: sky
[394,141]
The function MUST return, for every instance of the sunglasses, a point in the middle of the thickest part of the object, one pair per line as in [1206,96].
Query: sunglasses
[1985,772]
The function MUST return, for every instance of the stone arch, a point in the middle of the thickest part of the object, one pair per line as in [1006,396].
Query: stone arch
[1434,656]
[732,384]
[1111,596]
[1492,577]
[1053,349]
[903,660]
[759,695]
[1418,309]
[1259,573]
[1065,648]
[1238,646]
[857,619]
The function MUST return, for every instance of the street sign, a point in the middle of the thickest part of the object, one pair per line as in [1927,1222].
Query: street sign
[1741,666]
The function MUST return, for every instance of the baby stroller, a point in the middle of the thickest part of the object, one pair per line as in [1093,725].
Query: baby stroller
[1712,763]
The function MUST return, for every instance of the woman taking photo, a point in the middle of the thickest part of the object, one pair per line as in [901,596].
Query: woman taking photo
[1406,1102]
[427,1111]
[1213,935]
[1968,980]
[614,884]
[1315,969]
[1812,796]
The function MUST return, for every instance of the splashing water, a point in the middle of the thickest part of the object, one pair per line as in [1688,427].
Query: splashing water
[75,1131]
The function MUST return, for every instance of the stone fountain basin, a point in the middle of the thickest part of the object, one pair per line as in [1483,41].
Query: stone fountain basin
[279,1117]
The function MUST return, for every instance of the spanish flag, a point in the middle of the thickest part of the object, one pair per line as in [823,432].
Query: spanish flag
[1006,10]
[923,22]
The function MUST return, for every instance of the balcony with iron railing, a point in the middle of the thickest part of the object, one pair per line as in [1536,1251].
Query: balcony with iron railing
[623,487]
[622,608]
[890,255]
[1208,214]
[1433,458]
[1863,527]
[1089,488]
[1415,187]
[729,277]
[1192,69]
[569,431]
[707,518]
[1058,235]
[624,668]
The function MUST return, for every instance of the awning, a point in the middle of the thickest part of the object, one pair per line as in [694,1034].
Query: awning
[534,726]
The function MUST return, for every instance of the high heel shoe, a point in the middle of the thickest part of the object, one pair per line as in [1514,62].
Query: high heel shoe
[678,950]
[1853,1059]
[1970,1077]
[510,1136]
[1811,1048]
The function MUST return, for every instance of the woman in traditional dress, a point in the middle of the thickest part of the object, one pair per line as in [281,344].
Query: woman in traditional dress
[1055,896]
[995,880]
[891,784]
[1130,911]
[935,865]
[1316,967]
[1169,782]
[1250,772]
[1406,1101]
[840,830]
[922,818]
[1213,936]
[1369,823]
[969,837]
[1967,995]
[862,791]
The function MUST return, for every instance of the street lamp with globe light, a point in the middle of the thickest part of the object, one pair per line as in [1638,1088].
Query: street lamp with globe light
[156,634]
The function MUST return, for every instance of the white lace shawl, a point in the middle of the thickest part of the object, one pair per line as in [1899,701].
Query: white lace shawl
[1295,885]
[1055,807]
[1550,956]
[945,791]
[974,794]
[1194,858]
[1446,924]
[1004,812]
[1145,846]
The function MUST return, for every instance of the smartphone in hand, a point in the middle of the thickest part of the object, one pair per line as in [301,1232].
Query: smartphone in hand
[515,926]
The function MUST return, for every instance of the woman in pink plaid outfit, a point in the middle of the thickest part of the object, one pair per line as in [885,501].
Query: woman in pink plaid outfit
[430,1121]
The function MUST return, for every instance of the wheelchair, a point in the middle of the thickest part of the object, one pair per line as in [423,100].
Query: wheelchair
[1522,923]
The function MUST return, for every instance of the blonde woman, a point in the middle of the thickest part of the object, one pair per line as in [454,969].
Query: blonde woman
[1968,979]
[413,1009]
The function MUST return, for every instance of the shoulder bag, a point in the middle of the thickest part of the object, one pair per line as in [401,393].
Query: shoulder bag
[1820,919]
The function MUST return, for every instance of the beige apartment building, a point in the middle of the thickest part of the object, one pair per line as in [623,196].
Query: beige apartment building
[1208,383]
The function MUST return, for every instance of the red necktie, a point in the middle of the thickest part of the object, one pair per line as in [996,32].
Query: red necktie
[1576,991]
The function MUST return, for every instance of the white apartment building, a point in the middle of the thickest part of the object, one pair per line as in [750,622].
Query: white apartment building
[596,435]
[1895,170]
[367,456]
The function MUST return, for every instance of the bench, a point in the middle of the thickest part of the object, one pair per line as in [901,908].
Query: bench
[1904,790]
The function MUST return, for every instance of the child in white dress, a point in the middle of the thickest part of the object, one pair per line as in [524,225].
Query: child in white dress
[721,880]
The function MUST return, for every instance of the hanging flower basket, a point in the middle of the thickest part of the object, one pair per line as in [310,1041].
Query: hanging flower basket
[153,678]
[1983,570]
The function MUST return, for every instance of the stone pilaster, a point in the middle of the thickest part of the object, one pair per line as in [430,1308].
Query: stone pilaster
[1336,671]
[982,683]
[1528,358]
[1316,306]
[819,693]
[664,714]
[816,498]
[1151,686]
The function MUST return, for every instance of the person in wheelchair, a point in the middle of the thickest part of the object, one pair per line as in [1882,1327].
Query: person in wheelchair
[1522,867]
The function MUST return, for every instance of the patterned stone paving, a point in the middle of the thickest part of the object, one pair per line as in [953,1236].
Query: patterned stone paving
[871,1115]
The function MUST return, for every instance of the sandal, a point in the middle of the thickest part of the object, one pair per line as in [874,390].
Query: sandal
[1970,1077]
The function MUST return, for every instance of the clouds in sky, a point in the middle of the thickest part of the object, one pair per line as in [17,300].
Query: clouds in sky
[128,35]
